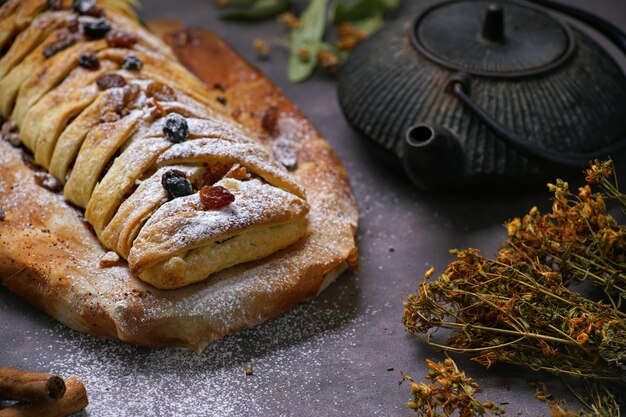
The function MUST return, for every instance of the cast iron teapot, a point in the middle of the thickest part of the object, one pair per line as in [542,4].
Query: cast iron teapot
[487,91]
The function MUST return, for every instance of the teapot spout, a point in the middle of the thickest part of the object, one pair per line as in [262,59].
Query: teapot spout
[432,157]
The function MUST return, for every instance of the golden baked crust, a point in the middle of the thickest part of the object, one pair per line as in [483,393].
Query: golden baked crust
[131,88]
[181,243]
[52,259]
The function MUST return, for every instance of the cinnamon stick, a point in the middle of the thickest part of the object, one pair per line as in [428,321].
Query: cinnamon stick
[75,399]
[30,386]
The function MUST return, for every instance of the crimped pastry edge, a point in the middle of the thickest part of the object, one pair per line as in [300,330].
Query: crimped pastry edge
[49,257]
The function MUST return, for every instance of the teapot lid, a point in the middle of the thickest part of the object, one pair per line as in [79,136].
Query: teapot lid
[498,38]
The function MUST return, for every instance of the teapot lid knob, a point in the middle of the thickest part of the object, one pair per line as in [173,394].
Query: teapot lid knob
[470,36]
[493,28]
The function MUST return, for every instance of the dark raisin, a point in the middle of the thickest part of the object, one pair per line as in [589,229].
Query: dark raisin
[131,91]
[83,6]
[236,113]
[47,181]
[160,91]
[269,119]
[222,100]
[182,38]
[9,132]
[176,183]
[65,40]
[54,4]
[131,63]
[175,128]
[95,12]
[28,159]
[214,173]
[215,197]
[97,29]
[71,23]
[89,60]
[121,39]
[110,80]
[2,214]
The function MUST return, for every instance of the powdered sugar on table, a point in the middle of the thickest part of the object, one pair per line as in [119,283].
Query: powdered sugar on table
[288,355]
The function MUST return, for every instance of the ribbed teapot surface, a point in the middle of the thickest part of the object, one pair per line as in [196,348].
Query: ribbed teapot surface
[551,84]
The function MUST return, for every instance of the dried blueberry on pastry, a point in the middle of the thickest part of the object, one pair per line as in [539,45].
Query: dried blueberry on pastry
[167,178]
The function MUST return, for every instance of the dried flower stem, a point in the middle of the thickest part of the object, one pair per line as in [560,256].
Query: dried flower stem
[517,308]
[450,391]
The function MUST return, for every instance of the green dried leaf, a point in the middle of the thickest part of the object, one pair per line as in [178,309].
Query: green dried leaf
[369,25]
[257,10]
[308,36]
[362,9]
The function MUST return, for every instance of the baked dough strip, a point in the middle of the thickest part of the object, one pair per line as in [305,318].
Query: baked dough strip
[51,259]
[89,143]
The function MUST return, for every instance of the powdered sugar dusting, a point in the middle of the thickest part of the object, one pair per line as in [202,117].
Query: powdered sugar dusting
[233,299]
[126,110]
[255,204]
[202,128]
[249,155]
[289,357]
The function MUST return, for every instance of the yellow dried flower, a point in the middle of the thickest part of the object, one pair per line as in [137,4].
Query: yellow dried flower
[290,20]
[429,273]
[348,36]
[304,54]
[449,391]
[328,60]
[261,48]
[514,226]
[520,308]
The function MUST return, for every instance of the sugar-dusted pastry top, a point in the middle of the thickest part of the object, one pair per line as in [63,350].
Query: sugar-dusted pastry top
[167,178]
[51,258]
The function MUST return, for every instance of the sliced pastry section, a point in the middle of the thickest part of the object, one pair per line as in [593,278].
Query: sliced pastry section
[168,179]
[225,224]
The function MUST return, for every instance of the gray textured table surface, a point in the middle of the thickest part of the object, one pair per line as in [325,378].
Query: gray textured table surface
[339,355]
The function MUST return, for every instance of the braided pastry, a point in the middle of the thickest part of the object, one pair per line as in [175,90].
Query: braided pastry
[167,178]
